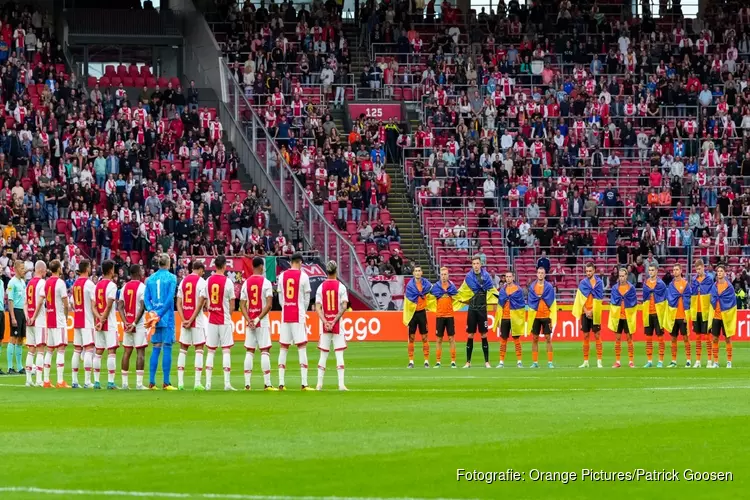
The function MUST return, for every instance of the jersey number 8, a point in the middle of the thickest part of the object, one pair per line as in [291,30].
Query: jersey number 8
[214,294]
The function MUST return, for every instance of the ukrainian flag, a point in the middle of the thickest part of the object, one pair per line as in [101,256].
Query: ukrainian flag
[660,300]
[702,288]
[517,309]
[548,296]
[617,301]
[438,291]
[412,295]
[728,304]
[473,285]
[584,290]
[673,299]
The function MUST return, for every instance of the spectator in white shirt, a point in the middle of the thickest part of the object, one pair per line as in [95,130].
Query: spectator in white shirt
[489,192]
[677,169]
[613,161]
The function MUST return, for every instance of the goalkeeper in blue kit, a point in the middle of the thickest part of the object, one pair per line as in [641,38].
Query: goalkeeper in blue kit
[159,302]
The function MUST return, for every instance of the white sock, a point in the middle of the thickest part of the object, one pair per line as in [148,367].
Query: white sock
[30,367]
[111,365]
[248,367]
[75,363]
[39,366]
[88,360]
[97,367]
[265,365]
[210,367]
[60,366]
[181,368]
[282,365]
[322,367]
[198,366]
[47,365]
[125,376]
[138,378]
[226,363]
[340,367]
[302,351]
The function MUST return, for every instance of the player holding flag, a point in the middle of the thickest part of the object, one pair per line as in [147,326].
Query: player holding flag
[512,320]
[417,300]
[159,302]
[256,300]
[443,291]
[542,315]
[588,308]
[331,302]
[105,294]
[676,314]
[654,308]
[722,316]
[220,292]
[700,303]
[83,323]
[294,296]
[623,306]
[479,293]
[36,318]
[56,304]
[191,300]
[131,310]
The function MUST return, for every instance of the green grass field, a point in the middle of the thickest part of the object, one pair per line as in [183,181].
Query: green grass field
[398,433]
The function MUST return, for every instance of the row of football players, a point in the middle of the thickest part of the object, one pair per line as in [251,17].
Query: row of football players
[95,306]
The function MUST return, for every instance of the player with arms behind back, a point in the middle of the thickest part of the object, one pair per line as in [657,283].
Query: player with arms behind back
[105,294]
[220,291]
[191,300]
[36,317]
[256,300]
[132,311]
[331,302]
[56,304]
[294,295]
[83,323]
[159,302]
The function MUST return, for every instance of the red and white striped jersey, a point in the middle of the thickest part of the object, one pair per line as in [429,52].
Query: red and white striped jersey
[132,298]
[83,296]
[256,291]
[332,297]
[294,295]
[105,291]
[35,298]
[191,289]
[220,291]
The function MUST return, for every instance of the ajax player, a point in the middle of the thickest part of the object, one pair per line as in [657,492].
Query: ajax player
[56,304]
[36,318]
[256,300]
[105,294]
[132,309]
[191,300]
[331,302]
[83,324]
[220,291]
[294,296]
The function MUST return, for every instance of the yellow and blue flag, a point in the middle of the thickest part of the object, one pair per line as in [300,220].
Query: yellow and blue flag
[700,289]
[727,302]
[473,285]
[548,297]
[586,290]
[517,307]
[673,300]
[659,291]
[618,301]
[412,295]
[438,291]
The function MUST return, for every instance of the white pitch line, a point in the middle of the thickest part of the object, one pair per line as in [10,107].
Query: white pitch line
[532,377]
[157,494]
[468,390]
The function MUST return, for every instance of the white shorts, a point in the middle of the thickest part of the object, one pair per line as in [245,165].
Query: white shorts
[135,339]
[292,333]
[106,340]
[83,337]
[259,338]
[219,335]
[57,337]
[195,336]
[337,339]
[36,336]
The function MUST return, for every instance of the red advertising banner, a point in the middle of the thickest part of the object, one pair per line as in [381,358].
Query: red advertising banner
[381,111]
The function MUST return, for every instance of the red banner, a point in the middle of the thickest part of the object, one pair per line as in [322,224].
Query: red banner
[381,111]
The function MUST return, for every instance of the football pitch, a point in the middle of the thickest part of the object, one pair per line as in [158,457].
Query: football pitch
[398,433]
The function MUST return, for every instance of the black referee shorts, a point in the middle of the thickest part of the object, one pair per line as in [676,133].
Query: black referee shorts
[18,331]
[418,321]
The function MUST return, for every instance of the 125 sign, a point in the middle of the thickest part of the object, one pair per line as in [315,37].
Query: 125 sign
[378,111]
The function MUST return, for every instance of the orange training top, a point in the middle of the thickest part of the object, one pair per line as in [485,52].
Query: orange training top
[510,290]
[651,301]
[445,304]
[680,286]
[542,311]
[421,304]
[720,287]
[590,299]
[623,289]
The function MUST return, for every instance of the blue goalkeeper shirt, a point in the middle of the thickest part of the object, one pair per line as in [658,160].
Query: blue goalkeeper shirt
[159,297]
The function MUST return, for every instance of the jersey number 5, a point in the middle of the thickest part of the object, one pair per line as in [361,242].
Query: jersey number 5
[101,304]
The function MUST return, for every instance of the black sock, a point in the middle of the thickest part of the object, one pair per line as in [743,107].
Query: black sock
[486,350]
[469,349]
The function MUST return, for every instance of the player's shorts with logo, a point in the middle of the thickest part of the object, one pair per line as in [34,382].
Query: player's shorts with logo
[106,339]
[338,340]
[195,336]
[292,333]
[476,321]
[623,327]
[445,325]
[219,336]
[36,336]
[587,325]
[654,325]
[57,337]
[541,326]
[83,337]
[679,328]
[418,322]
[18,331]
[506,329]
[136,339]
[700,325]
[258,338]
